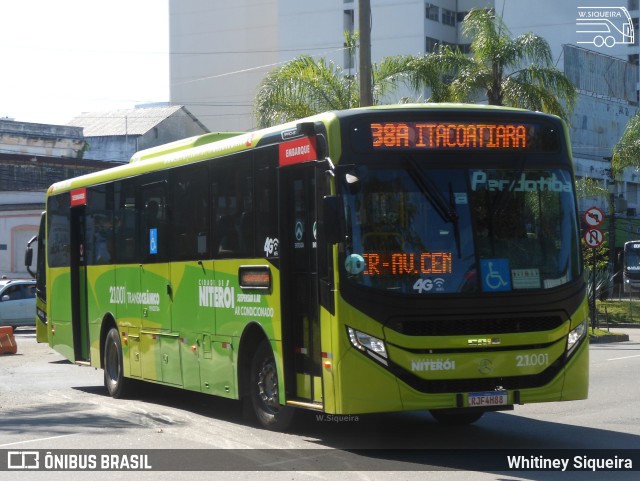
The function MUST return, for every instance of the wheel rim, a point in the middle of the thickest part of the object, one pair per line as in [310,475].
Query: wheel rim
[268,386]
[111,360]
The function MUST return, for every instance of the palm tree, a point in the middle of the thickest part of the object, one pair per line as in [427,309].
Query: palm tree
[626,152]
[305,86]
[512,72]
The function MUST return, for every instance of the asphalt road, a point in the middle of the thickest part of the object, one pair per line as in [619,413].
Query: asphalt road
[47,403]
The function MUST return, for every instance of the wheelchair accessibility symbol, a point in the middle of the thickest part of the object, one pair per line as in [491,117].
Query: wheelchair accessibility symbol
[495,275]
[153,241]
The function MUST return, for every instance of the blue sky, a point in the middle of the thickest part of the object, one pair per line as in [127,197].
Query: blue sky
[61,58]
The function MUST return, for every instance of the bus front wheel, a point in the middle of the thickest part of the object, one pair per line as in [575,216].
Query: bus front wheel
[265,389]
[456,417]
[114,380]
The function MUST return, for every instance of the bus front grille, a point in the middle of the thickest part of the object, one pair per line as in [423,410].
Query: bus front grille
[460,327]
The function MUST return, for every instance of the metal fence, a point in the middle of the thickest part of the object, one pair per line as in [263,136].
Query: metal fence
[601,75]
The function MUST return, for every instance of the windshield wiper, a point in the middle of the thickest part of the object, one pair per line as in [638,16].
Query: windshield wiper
[446,210]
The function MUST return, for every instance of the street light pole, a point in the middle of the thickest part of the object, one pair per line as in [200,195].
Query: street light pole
[364,59]
[611,271]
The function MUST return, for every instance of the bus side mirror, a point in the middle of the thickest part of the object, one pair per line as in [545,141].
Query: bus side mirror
[333,219]
[28,257]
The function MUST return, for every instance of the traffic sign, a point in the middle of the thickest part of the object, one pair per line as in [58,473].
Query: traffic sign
[593,237]
[593,217]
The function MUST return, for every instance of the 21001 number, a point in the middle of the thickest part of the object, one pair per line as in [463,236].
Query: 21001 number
[118,294]
[528,360]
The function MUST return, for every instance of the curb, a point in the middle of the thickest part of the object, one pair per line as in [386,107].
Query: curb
[608,339]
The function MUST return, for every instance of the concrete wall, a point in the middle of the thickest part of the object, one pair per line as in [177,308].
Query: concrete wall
[19,221]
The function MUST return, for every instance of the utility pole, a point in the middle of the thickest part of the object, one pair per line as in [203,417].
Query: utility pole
[364,60]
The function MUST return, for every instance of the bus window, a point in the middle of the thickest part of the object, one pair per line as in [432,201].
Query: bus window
[59,230]
[154,216]
[126,221]
[266,201]
[99,238]
[233,205]
[190,213]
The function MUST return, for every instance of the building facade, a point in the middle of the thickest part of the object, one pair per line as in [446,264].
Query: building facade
[24,179]
[220,51]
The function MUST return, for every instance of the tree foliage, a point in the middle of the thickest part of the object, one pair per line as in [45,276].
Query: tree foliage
[501,70]
[626,153]
[515,72]
[305,86]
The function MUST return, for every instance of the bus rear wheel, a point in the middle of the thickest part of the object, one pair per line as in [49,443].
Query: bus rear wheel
[456,417]
[114,380]
[265,390]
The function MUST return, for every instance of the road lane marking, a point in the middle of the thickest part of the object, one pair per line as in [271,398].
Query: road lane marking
[36,440]
[626,357]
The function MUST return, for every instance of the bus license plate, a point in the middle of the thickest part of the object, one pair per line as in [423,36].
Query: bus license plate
[489,398]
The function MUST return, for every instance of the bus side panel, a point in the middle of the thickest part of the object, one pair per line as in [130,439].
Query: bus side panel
[576,378]
[362,385]
[206,359]
[60,326]
[365,387]
[186,281]
[327,346]
[127,280]
[100,295]
[237,307]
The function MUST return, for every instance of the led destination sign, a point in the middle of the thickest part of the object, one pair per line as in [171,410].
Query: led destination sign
[401,263]
[432,135]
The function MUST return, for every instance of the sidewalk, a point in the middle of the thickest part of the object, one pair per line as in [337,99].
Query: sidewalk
[619,333]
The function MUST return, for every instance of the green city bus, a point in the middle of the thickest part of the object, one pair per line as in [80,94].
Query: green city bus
[391,258]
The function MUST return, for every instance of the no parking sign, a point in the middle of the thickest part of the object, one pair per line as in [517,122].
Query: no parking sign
[593,217]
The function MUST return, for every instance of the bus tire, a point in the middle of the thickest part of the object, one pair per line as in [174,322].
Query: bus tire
[264,391]
[114,380]
[456,417]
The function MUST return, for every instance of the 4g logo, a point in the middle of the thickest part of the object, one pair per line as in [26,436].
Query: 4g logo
[427,285]
[271,247]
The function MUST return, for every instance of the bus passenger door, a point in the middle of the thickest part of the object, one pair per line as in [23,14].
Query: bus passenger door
[299,281]
[78,271]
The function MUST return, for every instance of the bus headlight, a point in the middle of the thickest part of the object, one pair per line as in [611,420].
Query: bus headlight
[370,345]
[575,336]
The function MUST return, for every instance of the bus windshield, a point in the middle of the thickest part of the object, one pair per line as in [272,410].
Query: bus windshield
[414,230]
[632,257]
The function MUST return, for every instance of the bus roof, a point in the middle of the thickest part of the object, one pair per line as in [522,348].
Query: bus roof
[199,148]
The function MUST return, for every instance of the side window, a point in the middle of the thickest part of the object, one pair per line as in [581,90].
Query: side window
[13,292]
[125,222]
[58,209]
[233,208]
[154,215]
[266,200]
[99,238]
[190,212]
[29,291]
